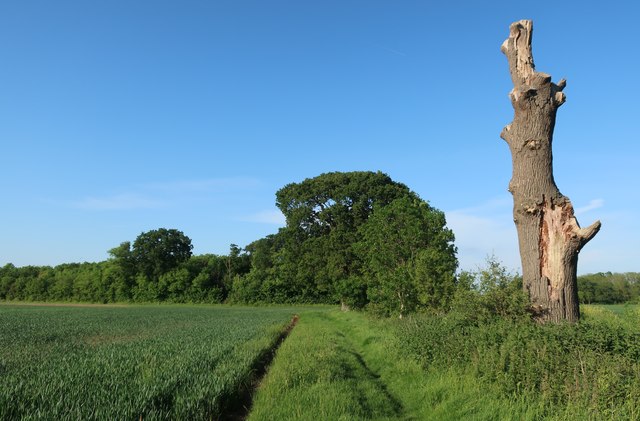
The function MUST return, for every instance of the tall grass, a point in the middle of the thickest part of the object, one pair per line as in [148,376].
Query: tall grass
[588,370]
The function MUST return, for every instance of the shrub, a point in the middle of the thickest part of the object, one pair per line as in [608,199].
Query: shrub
[592,365]
[488,293]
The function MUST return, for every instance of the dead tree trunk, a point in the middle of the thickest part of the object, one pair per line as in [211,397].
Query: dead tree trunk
[548,232]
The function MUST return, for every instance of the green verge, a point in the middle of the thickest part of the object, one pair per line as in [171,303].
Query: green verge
[346,366]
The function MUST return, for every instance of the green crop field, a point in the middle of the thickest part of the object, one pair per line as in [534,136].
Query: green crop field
[130,362]
[619,309]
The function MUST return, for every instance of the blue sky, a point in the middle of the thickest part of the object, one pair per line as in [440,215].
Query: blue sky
[118,117]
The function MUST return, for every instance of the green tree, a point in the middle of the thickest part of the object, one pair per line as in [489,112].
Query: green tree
[609,288]
[248,289]
[63,284]
[408,256]
[314,256]
[352,292]
[87,285]
[8,275]
[21,278]
[262,255]
[36,287]
[156,252]
[173,285]
[208,274]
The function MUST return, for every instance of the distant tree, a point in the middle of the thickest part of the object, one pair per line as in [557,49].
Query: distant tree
[8,275]
[234,254]
[237,263]
[435,269]
[208,278]
[156,252]
[37,287]
[88,284]
[609,288]
[249,289]
[261,251]
[173,285]
[145,290]
[63,283]
[352,292]
[120,273]
[501,290]
[263,257]
[123,257]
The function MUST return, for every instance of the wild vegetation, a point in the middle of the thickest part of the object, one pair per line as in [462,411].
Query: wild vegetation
[144,362]
[584,371]
[336,246]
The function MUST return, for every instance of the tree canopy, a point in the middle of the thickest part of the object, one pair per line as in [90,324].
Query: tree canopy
[358,238]
[329,249]
[156,252]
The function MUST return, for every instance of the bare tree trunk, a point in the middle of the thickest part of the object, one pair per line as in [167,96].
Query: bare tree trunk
[548,232]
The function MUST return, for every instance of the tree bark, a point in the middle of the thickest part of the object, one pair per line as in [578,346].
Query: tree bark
[548,233]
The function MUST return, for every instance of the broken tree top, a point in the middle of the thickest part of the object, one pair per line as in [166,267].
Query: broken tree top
[517,48]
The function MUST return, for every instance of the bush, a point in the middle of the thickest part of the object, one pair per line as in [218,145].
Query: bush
[487,293]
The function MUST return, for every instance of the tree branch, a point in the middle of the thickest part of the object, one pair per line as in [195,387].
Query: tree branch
[586,234]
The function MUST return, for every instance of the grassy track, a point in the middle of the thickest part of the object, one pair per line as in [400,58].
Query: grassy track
[346,366]
[321,373]
[154,362]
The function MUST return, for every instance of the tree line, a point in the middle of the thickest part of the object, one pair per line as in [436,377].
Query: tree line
[196,279]
[609,288]
[358,238]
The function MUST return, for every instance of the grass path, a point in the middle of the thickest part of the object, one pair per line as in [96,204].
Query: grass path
[345,366]
[338,366]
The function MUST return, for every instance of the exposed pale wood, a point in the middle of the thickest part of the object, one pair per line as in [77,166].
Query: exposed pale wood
[549,235]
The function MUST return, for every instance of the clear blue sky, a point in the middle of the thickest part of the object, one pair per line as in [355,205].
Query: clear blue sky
[117,117]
